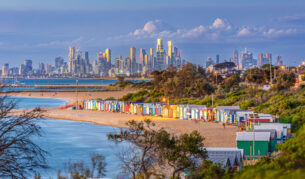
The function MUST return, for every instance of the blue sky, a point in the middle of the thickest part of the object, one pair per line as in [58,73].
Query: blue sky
[43,29]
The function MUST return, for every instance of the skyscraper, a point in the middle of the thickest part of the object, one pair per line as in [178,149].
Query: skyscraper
[268,57]
[208,62]
[133,60]
[151,57]
[71,59]
[5,69]
[246,59]
[235,59]
[217,58]
[160,55]
[260,59]
[142,55]
[279,61]
[108,59]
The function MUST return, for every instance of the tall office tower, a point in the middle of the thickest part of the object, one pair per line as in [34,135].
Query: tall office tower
[279,61]
[5,69]
[260,60]
[160,55]
[42,69]
[59,61]
[87,62]
[146,60]
[268,57]
[71,59]
[28,66]
[235,59]
[142,55]
[175,51]
[77,66]
[127,66]
[208,62]
[133,60]
[48,68]
[95,67]
[246,59]
[21,69]
[151,58]
[108,58]
[217,58]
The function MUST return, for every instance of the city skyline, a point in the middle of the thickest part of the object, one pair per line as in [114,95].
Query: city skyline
[42,30]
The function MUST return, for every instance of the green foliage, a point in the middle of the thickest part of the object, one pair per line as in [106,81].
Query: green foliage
[208,170]
[158,146]
[290,163]
[78,170]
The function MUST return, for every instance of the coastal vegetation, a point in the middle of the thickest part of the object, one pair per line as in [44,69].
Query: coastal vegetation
[192,85]
[19,155]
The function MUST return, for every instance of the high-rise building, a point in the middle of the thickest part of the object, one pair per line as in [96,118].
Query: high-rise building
[268,57]
[133,60]
[235,59]
[260,60]
[151,58]
[160,55]
[217,58]
[247,60]
[28,66]
[5,69]
[71,60]
[208,62]
[142,55]
[59,61]
[42,69]
[108,58]
[279,61]
[170,49]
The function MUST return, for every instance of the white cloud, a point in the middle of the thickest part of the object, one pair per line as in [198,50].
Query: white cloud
[279,32]
[221,24]
[243,32]
[59,43]
[220,29]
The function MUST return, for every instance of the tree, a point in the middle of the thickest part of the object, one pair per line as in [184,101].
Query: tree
[182,153]
[19,155]
[153,146]
[232,81]
[142,135]
[284,81]
[78,170]
[208,170]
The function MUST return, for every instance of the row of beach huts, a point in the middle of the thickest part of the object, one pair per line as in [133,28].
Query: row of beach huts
[224,114]
[260,137]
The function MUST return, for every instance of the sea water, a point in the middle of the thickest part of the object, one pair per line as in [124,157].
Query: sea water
[73,141]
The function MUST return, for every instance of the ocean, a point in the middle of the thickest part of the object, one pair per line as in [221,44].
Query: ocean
[57,81]
[73,141]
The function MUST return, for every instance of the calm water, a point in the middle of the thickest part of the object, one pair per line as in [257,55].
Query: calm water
[57,81]
[75,141]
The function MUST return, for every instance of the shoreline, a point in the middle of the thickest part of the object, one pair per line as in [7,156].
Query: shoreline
[215,135]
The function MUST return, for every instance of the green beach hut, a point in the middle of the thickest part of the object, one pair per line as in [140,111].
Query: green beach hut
[261,145]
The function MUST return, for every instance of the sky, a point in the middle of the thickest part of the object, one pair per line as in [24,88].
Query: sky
[43,29]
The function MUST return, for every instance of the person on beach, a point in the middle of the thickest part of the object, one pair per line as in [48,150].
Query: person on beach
[224,125]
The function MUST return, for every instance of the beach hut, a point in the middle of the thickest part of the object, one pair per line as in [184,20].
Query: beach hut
[221,112]
[257,141]
[280,132]
[234,155]
[273,138]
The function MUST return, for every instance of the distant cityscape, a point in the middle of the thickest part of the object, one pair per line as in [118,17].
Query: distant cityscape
[79,65]
[103,66]
[246,60]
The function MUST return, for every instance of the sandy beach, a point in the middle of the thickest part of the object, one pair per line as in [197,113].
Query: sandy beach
[215,134]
